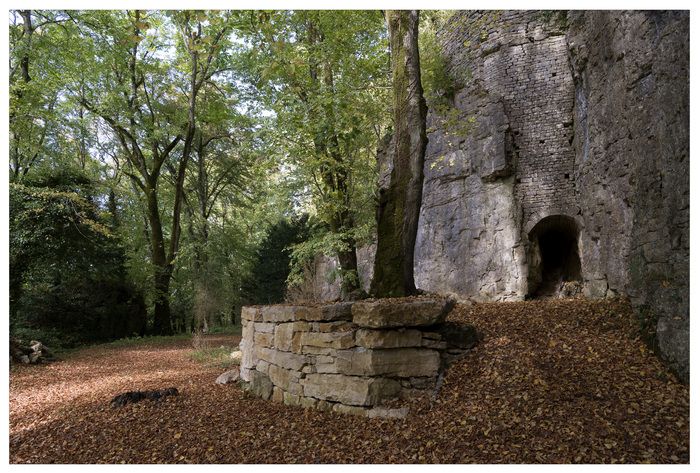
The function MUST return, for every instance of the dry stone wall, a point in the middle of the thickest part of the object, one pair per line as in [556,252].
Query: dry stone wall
[346,357]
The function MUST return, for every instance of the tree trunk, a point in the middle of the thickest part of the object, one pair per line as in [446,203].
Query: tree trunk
[28,31]
[162,324]
[399,205]
[162,270]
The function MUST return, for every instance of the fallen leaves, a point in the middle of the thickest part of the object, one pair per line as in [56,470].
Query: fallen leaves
[552,382]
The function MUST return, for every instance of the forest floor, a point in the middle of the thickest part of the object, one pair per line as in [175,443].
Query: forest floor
[553,381]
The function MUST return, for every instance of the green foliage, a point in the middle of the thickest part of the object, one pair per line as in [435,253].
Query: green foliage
[96,99]
[267,282]
[66,277]
[320,241]
[324,75]
[453,121]
[438,85]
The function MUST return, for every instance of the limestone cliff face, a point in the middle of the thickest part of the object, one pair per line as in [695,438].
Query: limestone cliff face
[499,157]
[631,133]
[563,155]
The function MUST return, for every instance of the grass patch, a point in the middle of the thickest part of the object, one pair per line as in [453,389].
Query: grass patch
[219,357]
[226,330]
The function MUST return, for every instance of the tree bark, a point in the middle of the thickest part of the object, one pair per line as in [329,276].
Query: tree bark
[28,31]
[399,205]
[162,270]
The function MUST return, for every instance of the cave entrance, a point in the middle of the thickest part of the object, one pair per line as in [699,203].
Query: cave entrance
[553,256]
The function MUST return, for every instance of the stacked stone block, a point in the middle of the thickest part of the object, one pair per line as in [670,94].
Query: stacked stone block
[346,357]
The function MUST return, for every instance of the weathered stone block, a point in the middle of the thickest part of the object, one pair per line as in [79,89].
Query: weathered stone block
[251,313]
[291,399]
[281,377]
[400,312]
[263,339]
[262,366]
[428,382]
[264,327]
[388,338]
[248,358]
[350,390]
[280,313]
[328,340]
[286,338]
[277,394]
[283,336]
[327,367]
[260,385]
[434,344]
[228,377]
[324,406]
[401,362]
[296,345]
[432,335]
[308,402]
[309,350]
[290,361]
[326,313]
[334,326]
[325,359]
[296,388]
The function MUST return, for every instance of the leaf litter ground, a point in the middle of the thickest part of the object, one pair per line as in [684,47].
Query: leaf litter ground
[554,381]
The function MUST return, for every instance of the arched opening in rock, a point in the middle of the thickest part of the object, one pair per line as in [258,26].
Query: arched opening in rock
[553,256]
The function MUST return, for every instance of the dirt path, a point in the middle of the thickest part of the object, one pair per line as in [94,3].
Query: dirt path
[553,381]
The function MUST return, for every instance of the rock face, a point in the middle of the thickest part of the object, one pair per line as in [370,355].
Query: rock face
[347,357]
[631,77]
[564,127]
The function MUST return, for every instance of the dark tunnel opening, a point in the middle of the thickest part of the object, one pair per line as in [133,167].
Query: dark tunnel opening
[554,257]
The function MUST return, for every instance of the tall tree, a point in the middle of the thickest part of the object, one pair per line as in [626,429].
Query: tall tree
[135,94]
[36,45]
[323,74]
[399,205]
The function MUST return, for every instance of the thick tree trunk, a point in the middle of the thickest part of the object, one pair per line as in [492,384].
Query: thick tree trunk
[162,323]
[162,270]
[399,206]
[28,31]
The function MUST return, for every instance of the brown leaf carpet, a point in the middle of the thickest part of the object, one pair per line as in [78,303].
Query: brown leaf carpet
[553,381]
